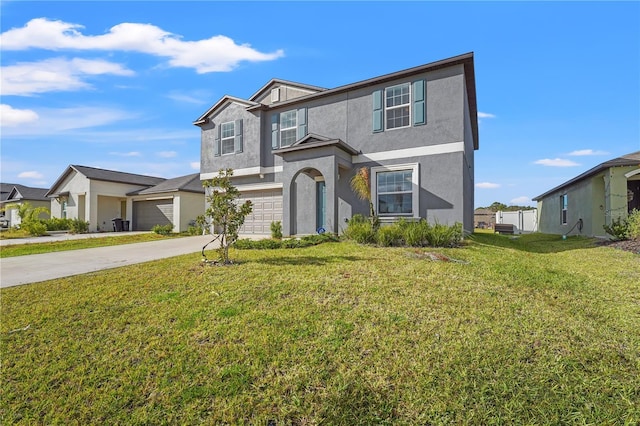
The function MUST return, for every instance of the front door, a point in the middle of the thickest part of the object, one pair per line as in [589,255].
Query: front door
[321,205]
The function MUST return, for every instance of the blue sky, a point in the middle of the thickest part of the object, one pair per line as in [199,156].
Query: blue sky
[117,85]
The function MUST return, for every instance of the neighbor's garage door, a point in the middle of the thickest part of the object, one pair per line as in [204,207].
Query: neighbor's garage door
[267,208]
[147,214]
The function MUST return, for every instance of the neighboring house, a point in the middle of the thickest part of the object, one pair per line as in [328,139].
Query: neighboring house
[99,196]
[18,194]
[484,218]
[178,201]
[294,148]
[584,204]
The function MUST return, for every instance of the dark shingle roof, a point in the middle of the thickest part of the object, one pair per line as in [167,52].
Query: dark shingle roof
[15,191]
[108,176]
[632,159]
[188,183]
[113,176]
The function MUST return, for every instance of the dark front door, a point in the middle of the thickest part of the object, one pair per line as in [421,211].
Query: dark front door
[633,194]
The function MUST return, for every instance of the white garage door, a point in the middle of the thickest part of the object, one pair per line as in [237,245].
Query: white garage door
[267,208]
[147,214]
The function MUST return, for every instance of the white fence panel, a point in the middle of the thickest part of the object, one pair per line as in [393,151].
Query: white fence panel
[525,221]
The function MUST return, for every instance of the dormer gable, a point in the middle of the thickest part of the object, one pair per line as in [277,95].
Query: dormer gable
[221,104]
[277,90]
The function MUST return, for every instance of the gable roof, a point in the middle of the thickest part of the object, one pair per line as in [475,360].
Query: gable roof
[188,183]
[107,176]
[15,191]
[226,98]
[21,192]
[278,82]
[466,60]
[632,159]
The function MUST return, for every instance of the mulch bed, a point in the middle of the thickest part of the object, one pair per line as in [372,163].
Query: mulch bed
[628,245]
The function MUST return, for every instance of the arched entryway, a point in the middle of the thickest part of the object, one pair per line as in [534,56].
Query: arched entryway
[308,193]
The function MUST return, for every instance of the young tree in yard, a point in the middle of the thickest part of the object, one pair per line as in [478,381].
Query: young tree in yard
[361,185]
[224,213]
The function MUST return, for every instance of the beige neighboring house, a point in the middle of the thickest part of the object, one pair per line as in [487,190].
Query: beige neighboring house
[13,193]
[584,204]
[103,197]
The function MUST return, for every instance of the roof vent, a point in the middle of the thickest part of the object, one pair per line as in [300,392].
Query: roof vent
[275,95]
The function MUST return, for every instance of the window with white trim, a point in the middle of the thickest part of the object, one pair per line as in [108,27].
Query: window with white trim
[227,136]
[395,190]
[397,106]
[288,127]
[564,204]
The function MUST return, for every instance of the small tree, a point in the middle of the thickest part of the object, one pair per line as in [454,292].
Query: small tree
[361,185]
[29,217]
[223,212]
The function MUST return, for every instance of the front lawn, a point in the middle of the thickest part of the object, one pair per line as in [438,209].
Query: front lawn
[527,330]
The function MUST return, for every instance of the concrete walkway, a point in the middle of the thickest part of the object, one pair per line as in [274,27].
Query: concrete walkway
[41,267]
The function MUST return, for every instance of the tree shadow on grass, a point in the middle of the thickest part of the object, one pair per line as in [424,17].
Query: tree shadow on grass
[536,242]
[304,260]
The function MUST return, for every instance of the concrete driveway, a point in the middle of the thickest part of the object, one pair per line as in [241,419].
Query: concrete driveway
[41,267]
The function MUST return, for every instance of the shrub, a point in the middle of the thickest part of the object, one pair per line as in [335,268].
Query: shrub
[633,225]
[78,226]
[57,224]
[163,229]
[34,227]
[276,230]
[360,232]
[415,233]
[265,244]
[444,236]
[618,229]
[390,235]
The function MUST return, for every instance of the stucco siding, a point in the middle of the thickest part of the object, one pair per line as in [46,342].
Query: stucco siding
[580,198]
[190,206]
[250,155]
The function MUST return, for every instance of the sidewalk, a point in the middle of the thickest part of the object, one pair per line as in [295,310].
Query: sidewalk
[41,267]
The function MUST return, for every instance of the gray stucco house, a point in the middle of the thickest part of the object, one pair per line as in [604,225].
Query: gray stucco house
[584,204]
[294,148]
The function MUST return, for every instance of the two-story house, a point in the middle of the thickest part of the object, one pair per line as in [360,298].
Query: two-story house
[294,148]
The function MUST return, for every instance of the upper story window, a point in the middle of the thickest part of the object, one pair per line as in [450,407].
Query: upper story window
[397,106]
[288,128]
[227,137]
[564,204]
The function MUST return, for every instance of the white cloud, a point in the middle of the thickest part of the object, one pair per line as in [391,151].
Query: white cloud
[54,75]
[487,185]
[31,175]
[556,162]
[181,97]
[585,152]
[63,120]
[126,154]
[520,200]
[218,53]
[167,154]
[485,115]
[11,117]
[195,165]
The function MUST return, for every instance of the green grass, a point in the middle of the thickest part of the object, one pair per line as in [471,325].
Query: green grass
[526,330]
[52,246]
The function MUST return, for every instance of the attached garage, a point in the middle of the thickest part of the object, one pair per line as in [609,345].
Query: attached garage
[149,213]
[267,208]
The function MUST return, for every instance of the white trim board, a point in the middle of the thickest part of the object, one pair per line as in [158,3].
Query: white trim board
[249,171]
[445,148]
